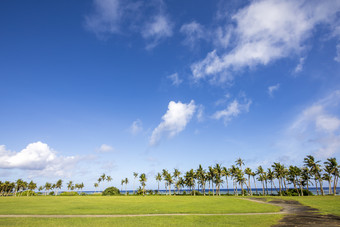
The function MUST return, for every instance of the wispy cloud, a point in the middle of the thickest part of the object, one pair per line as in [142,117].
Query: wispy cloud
[273,88]
[174,120]
[193,32]
[159,28]
[265,31]
[175,79]
[104,148]
[136,127]
[299,67]
[235,108]
[317,126]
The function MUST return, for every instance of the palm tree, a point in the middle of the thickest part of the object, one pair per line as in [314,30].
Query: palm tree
[95,187]
[202,177]
[190,179]
[135,177]
[293,174]
[47,187]
[164,174]
[81,186]
[218,178]
[58,185]
[108,179]
[99,180]
[253,174]
[239,162]
[103,177]
[158,179]
[31,186]
[332,167]
[211,178]
[260,173]
[249,173]
[169,181]
[69,185]
[279,174]
[315,168]
[142,180]
[226,173]
[126,182]
[271,177]
[122,182]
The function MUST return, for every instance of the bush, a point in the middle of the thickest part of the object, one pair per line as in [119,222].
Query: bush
[51,193]
[69,194]
[196,192]
[293,192]
[83,194]
[111,191]
[29,192]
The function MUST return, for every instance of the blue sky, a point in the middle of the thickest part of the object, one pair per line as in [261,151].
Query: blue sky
[115,87]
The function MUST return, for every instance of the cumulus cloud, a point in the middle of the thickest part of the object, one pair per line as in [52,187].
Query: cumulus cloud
[136,127]
[273,88]
[234,109]
[104,148]
[37,157]
[318,126]
[265,31]
[175,79]
[174,120]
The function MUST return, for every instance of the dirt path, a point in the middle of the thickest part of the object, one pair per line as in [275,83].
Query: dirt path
[300,215]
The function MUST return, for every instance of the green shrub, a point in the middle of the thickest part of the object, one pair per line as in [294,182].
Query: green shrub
[51,193]
[29,192]
[111,191]
[293,192]
[69,194]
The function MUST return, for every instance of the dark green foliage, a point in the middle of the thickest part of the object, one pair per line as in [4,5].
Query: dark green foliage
[293,192]
[51,193]
[69,194]
[29,192]
[111,191]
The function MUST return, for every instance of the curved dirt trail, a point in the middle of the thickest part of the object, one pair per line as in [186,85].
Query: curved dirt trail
[300,215]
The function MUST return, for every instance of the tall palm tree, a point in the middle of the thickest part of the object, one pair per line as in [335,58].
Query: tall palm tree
[69,185]
[293,174]
[239,162]
[279,171]
[158,179]
[122,182]
[95,187]
[248,172]
[170,181]
[47,187]
[108,179]
[218,178]
[164,174]
[226,173]
[31,186]
[253,174]
[142,180]
[126,182]
[135,175]
[260,173]
[212,178]
[190,179]
[176,175]
[332,168]
[315,168]
[271,177]
[58,185]
[202,177]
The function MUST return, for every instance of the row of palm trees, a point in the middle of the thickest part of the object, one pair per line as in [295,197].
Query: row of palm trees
[278,176]
[18,187]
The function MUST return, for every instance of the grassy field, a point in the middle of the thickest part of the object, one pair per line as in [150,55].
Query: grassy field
[130,205]
[326,204]
[239,220]
[136,205]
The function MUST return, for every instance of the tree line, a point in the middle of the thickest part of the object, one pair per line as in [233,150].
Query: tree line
[210,180]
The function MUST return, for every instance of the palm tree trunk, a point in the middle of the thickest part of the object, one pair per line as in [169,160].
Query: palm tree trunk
[321,188]
[316,185]
[255,185]
[334,185]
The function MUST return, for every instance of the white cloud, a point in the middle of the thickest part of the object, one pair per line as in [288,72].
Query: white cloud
[136,127]
[337,57]
[234,109]
[105,148]
[193,33]
[299,67]
[175,79]
[200,113]
[273,88]
[265,31]
[174,121]
[157,29]
[37,157]
[318,126]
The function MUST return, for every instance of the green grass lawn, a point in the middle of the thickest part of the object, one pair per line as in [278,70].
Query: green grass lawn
[129,205]
[239,220]
[326,204]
